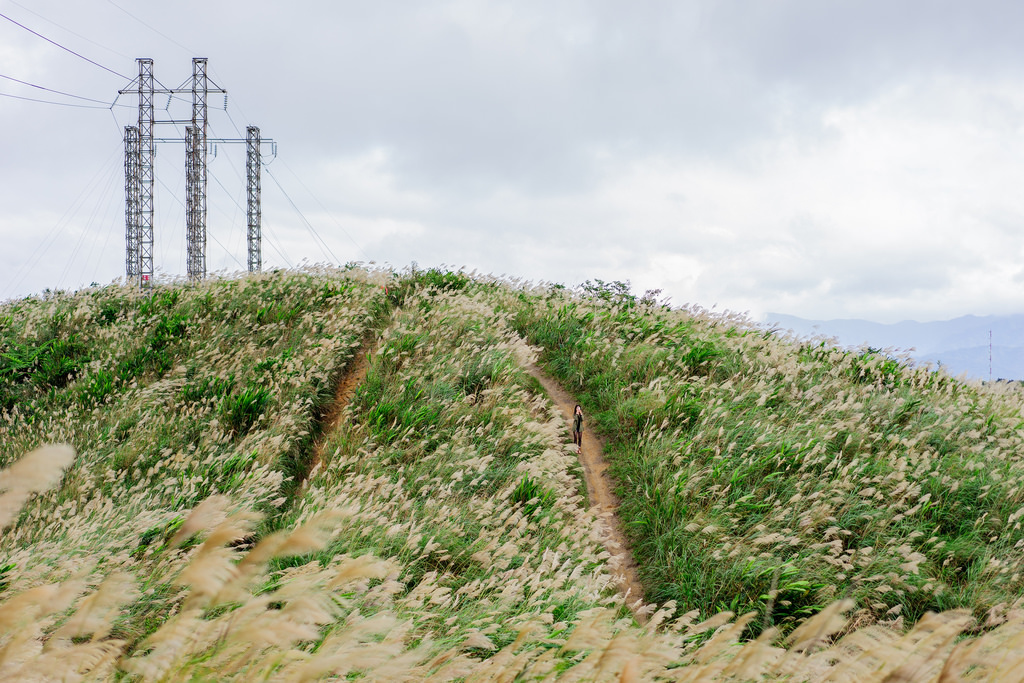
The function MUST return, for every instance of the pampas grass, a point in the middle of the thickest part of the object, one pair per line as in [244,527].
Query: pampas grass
[177,547]
[35,472]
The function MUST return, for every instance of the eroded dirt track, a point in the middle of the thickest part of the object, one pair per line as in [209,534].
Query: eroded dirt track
[353,375]
[600,489]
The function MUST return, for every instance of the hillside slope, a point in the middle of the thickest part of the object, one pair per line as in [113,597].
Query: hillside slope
[752,466]
[212,492]
[241,500]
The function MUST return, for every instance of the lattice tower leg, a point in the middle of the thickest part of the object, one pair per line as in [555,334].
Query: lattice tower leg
[195,175]
[195,252]
[132,204]
[253,209]
[147,151]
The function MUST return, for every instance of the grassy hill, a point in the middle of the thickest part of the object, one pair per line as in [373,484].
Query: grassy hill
[746,460]
[226,509]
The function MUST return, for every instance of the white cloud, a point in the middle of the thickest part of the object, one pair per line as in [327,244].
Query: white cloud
[822,160]
[906,206]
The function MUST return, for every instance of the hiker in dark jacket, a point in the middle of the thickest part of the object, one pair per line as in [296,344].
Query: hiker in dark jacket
[577,428]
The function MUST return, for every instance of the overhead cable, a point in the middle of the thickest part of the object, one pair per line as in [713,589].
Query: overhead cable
[65,28]
[317,200]
[309,226]
[209,234]
[67,49]
[62,104]
[159,33]
[56,92]
[87,229]
[43,246]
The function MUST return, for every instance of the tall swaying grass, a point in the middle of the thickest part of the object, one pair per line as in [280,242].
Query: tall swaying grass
[432,459]
[175,395]
[350,617]
[443,533]
[762,473]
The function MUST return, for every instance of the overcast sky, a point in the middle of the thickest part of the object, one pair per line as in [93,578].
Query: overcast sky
[823,159]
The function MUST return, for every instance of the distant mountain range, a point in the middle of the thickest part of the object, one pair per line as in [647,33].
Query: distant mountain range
[961,345]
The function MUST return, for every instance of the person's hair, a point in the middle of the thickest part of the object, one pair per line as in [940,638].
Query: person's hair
[577,406]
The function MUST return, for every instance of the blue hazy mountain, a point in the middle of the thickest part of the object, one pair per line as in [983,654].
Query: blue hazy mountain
[961,345]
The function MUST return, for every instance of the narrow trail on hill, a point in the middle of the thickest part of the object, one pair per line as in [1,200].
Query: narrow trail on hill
[351,377]
[600,490]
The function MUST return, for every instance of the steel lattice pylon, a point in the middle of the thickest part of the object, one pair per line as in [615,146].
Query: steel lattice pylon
[253,210]
[140,149]
[195,200]
[132,203]
[195,175]
[147,149]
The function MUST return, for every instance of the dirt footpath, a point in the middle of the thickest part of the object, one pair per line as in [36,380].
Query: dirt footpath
[600,489]
[353,375]
[595,470]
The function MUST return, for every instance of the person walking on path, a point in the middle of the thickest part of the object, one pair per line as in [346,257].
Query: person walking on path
[577,428]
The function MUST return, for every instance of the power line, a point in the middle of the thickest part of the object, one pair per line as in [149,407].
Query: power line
[317,200]
[233,124]
[65,28]
[87,228]
[208,234]
[44,245]
[280,252]
[231,222]
[111,227]
[117,125]
[309,226]
[238,204]
[159,33]
[57,92]
[66,49]
[62,104]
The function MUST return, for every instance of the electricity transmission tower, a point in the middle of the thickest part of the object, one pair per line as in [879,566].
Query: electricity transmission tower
[139,152]
[195,174]
[253,211]
[133,202]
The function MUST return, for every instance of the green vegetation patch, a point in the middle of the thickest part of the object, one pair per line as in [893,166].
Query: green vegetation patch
[761,474]
[169,396]
[459,477]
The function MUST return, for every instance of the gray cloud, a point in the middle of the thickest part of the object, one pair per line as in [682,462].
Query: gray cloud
[820,158]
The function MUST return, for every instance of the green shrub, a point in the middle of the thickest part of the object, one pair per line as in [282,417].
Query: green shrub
[239,411]
[48,364]
[198,390]
[96,387]
[531,495]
